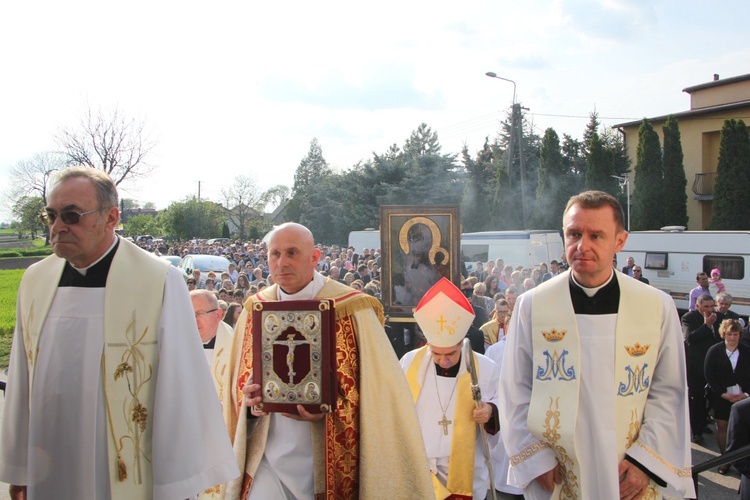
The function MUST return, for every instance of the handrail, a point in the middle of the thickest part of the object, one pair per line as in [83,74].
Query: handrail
[724,459]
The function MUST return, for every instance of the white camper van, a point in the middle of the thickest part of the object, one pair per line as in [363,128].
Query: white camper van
[369,238]
[517,248]
[671,258]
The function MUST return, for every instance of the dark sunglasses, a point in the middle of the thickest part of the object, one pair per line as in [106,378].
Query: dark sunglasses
[69,217]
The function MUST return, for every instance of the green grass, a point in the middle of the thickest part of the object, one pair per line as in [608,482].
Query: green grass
[9,281]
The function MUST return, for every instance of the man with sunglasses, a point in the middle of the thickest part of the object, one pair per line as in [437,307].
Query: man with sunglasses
[108,394]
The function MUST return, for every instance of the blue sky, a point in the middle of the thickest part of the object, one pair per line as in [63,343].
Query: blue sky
[230,88]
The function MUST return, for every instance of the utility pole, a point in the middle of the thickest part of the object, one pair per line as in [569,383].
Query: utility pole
[199,191]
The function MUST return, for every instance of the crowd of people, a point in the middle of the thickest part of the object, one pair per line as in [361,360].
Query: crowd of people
[176,407]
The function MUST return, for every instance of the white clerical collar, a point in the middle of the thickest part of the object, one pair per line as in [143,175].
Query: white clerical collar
[84,270]
[307,293]
[590,292]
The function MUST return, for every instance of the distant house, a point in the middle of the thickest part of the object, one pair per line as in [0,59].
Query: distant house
[278,216]
[700,130]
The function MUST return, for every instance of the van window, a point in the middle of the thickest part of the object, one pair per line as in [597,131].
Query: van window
[731,267]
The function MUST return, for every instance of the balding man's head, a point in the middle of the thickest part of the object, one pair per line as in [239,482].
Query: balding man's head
[208,314]
[292,256]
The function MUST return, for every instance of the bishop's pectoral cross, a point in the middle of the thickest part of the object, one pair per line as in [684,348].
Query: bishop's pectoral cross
[445,422]
[291,344]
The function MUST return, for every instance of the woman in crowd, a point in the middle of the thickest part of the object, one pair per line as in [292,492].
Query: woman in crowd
[493,286]
[233,312]
[727,370]
[242,283]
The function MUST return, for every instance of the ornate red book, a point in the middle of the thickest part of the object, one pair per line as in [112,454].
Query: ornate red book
[294,355]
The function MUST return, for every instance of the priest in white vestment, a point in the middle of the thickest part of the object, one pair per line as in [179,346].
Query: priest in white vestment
[108,392]
[441,386]
[594,397]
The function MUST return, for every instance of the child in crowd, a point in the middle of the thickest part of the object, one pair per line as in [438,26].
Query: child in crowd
[715,285]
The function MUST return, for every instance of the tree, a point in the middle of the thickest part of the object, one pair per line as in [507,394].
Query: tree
[142,224]
[311,169]
[276,195]
[428,176]
[553,186]
[600,167]
[30,178]
[27,210]
[648,192]
[242,203]
[129,204]
[592,129]
[479,190]
[193,219]
[674,201]
[730,208]
[110,141]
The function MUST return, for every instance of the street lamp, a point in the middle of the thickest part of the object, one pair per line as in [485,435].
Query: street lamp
[517,133]
[492,74]
[626,182]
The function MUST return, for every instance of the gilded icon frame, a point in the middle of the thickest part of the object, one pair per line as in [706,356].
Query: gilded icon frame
[419,245]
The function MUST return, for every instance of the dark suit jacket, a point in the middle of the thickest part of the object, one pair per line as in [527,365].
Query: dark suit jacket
[718,369]
[698,340]
[738,436]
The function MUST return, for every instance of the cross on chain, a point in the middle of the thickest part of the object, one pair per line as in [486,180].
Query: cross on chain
[445,422]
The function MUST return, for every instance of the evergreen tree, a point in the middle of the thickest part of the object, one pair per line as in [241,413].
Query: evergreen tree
[674,202]
[592,129]
[476,206]
[730,208]
[648,194]
[600,167]
[552,190]
[311,169]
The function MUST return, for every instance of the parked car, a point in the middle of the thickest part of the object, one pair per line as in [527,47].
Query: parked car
[222,241]
[205,263]
[173,259]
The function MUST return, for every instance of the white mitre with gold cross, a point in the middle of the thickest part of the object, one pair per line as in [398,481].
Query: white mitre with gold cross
[444,314]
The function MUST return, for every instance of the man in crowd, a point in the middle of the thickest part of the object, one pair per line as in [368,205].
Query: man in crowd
[638,274]
[591,348]
[701,330]
[701,289]
[216,336]
[108,392]
[369,446]
[628,268]
[494,329]
[723,303]
[442,387]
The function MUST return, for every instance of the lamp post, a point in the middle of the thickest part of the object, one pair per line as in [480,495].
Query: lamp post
[626,182]
[516,132]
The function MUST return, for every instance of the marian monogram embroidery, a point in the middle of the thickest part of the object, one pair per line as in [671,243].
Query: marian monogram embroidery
[555,368]
[638,381]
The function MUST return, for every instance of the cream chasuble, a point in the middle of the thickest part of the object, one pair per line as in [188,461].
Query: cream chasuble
[585,408]
[106,386]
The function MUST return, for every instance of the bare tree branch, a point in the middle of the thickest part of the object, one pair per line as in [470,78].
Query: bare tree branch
[110,141]
[242,203]
[30,178]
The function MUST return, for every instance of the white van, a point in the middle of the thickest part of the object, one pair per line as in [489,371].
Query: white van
[518,248]
[671,258]
[369,238]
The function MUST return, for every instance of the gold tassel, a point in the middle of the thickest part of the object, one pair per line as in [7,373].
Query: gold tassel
[122,470]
